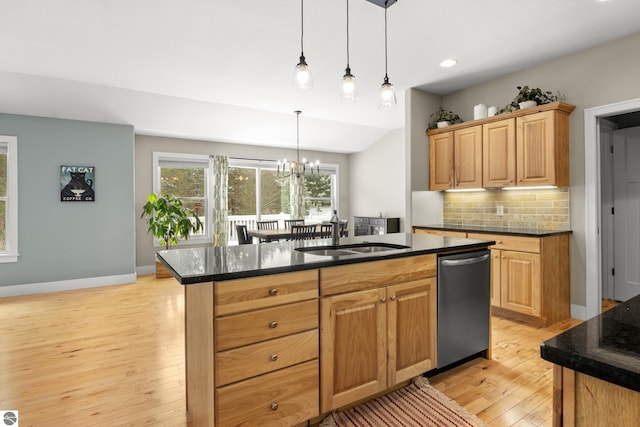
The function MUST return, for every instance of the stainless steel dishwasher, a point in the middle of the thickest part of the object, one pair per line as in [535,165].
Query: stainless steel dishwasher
[464,300]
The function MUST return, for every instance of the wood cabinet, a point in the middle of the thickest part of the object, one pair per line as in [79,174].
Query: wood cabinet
[377,329]
[456,159]
[524,148]
[252,350]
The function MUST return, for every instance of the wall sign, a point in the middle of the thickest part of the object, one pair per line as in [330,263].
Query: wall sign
[77,183]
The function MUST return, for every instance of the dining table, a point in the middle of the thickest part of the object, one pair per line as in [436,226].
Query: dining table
[277,234]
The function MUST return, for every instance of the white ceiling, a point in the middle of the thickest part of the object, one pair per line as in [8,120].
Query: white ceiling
[222,70]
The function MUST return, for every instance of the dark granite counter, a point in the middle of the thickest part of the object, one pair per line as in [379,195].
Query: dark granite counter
[527,232]
[605,347]
[211,263]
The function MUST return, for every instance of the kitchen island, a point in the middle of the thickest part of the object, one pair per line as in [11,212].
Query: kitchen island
[280,333]
[597,369]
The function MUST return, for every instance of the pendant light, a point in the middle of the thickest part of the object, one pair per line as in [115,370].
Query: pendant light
[387,97]
[297,168]
[349,89]
[302,81]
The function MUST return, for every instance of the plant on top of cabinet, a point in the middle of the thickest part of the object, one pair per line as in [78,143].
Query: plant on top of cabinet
[443,115]
[169,220]
[537,95]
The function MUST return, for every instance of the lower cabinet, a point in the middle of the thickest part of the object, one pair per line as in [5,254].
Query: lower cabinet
[375,338]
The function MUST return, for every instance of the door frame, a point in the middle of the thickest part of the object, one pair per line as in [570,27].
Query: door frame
[593,220]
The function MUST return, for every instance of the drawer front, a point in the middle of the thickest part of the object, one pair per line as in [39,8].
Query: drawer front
[261,325]
[234,296]
[366,275]
[281,398]
[377,221]
[256,359]
[361,220]
[443,233]
[512,243]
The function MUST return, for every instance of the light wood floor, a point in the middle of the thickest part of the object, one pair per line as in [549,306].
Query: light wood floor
[114,356]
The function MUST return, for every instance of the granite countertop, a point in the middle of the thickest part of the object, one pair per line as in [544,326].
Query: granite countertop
[606,347]
[216,263]
[532,232]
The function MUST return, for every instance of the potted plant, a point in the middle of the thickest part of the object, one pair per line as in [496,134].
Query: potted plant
[169,220]
[443,118]
[530,97]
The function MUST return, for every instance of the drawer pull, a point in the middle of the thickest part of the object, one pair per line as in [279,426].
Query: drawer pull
[273,324]
[393,298]
[273,292]
[383,300]
[274,406]
[274,357]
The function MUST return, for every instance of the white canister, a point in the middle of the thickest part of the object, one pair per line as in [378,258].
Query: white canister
[492,111]
[479,111]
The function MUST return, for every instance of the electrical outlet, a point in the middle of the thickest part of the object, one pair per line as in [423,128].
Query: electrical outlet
[499,210]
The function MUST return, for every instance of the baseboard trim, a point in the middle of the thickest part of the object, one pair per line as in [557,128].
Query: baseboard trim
[578,312]
[66,285]
[145,269]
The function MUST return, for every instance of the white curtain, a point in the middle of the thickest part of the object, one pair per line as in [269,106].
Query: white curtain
[219,208]
[296,186]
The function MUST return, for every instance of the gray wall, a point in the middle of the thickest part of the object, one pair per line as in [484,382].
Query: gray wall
[60,241]
[146,145]
[598,76]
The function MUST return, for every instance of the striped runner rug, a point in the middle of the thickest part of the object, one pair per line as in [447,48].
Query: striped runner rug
[416,405]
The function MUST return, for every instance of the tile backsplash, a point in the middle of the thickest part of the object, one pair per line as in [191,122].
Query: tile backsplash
[542,209]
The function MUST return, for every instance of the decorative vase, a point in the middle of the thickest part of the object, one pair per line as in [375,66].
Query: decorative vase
[527,104]
[443,124]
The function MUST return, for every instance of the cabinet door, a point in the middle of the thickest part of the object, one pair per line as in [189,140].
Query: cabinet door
[536,151]
[499,154]
[468,157]
[411,329]
[495,278]
[441,161]
[353,347]
[520,286]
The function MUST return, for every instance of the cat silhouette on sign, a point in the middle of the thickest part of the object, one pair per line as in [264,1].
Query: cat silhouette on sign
[78,188]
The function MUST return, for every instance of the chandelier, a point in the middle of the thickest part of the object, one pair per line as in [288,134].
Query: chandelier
[296,167]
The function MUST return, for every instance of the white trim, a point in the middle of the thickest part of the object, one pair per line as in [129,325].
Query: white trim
[66,285]
[593,249]
[143,270]
[11,254]
[578,312]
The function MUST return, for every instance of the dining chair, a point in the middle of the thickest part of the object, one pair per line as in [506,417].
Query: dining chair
[344,230]
[267,225]
[325,230]
[303,232]
[289,222]
[243,235]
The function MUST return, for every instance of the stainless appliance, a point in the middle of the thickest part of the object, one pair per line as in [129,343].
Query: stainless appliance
[464,300]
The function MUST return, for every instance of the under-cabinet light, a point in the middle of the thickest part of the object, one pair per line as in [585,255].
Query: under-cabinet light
[540,187]
[464,190]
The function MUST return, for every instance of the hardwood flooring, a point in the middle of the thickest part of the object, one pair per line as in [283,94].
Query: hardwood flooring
[114,356]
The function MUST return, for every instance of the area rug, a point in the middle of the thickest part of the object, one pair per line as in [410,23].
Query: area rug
[416,405]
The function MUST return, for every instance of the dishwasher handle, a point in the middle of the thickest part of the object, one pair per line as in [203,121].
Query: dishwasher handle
[463,261]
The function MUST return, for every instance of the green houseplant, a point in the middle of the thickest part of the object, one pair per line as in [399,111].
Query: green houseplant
[537,95]
[169,220]
[443,115]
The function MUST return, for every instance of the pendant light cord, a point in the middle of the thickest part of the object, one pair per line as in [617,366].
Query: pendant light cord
[385,43]
[347,33]
[301,27]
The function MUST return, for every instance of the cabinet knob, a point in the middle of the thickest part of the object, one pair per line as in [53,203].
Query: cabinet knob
[393,298]
[273,324]
[274,406]
[503,257]
[499,242]
[274,357]
[383,300]
[273,292]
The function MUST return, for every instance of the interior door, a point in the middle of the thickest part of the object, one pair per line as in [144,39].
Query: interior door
[626,198]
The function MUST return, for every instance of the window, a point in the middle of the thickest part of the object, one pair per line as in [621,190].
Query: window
[187,177]
[8,199]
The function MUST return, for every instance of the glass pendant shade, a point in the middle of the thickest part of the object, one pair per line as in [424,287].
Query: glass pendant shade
[349,88]
[302,80]
[387,97]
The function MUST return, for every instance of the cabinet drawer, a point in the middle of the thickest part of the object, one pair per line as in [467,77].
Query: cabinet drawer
[361,220]
[377,221]
[443,233]
[261,325]
[282,398]
[234,296]
[512,243]
[256,359]
[355,277]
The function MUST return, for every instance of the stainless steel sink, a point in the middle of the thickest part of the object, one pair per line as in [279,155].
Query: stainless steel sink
[352,249]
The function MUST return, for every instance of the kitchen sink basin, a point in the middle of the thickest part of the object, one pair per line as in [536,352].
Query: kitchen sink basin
[352,249]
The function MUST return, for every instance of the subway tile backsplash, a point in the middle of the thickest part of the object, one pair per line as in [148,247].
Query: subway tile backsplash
[542,209]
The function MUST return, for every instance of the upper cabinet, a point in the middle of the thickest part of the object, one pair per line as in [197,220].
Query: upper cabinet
[525,148]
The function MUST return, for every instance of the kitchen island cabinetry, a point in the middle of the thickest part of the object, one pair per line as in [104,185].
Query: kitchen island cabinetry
[524,148]
[381,320]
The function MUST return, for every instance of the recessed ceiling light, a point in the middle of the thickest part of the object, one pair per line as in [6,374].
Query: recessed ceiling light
[448,63]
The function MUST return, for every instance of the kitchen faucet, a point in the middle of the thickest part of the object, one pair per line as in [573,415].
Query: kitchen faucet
[335,229]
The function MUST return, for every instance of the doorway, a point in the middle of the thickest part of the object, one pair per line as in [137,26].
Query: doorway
[600,125]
